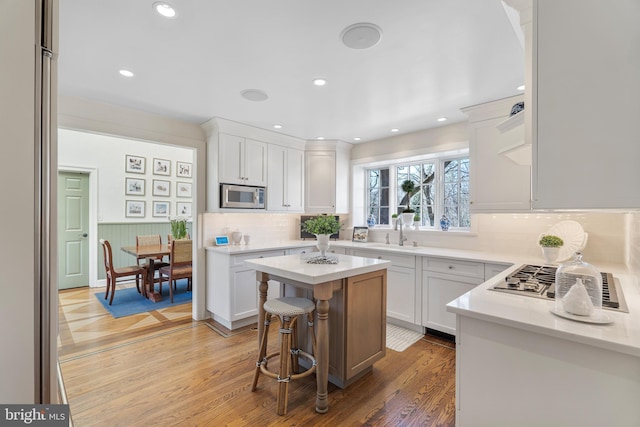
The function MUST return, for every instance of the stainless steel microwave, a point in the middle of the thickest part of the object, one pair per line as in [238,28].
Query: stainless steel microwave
[242,196]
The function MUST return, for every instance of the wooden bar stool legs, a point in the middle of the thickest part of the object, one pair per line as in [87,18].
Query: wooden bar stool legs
[287,311]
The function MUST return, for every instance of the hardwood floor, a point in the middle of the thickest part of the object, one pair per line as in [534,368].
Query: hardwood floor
[163,369]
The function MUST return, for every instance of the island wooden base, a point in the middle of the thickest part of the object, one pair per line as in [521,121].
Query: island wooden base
[357,326]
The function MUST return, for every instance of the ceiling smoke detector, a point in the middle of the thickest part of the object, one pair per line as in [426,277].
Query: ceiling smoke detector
[254,95]
[361,36]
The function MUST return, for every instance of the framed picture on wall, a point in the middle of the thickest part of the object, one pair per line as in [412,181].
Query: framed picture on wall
[134,186]
[183,189]
[183,209]
[161,209]
[134,164]
[161,188]
[183,169]
[161,167]
[360,234]
[134,209]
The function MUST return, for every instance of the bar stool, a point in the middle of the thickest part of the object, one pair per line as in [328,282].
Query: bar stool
[287,310]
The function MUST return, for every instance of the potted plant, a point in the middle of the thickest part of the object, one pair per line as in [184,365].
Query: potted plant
[407,217]
[394,221]
[550,245]
[416,220]
[323,226]
[178,227]
[408,186]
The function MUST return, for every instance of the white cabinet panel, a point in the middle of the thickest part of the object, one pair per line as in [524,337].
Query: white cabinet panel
[401,293]
[438,290]
[285,182]
[402,286]
[242,161]
[320,181]
[585,104]
[232,288]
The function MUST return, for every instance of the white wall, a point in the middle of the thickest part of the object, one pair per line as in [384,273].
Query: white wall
[106,154]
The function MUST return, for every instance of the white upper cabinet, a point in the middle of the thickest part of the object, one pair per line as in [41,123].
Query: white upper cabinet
[586,92]
[242,161]
[285,182]
[499,159]
[239,154]
[327,177]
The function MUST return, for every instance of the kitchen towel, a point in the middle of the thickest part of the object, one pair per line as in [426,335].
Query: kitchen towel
[399,339]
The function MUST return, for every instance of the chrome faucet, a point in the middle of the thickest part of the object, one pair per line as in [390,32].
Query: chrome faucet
[403,238]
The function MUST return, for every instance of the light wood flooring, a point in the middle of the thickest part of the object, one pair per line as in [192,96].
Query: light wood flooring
[163,369]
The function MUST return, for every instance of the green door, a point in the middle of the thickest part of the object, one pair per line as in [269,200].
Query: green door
[73,227]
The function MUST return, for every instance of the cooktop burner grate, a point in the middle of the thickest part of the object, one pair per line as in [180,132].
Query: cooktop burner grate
[539,281]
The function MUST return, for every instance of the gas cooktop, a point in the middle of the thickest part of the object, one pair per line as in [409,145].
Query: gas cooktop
[539,281]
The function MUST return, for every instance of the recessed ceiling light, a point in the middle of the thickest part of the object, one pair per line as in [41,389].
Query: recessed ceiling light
[126,73]
[357,138]
[164,9]
[395,130]
[442,119]
[254,95]
[319,82]
[361,36]
[521,87]
[277,126]
[320,138]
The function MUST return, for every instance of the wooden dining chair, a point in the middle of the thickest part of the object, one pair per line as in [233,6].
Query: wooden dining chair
[113,273]
[180,266]
[148,240]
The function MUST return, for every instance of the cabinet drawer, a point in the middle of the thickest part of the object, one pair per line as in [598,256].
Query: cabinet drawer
[237,260]
[396,260]
[455,266]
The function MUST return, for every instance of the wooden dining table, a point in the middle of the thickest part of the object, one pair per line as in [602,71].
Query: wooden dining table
[150,253]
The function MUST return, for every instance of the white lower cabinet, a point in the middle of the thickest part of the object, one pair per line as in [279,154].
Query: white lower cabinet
[444,280]
[232,288]
[492,269]
[402,292]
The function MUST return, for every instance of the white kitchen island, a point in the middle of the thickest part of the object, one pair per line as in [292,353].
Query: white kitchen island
[350,310]
[517,364]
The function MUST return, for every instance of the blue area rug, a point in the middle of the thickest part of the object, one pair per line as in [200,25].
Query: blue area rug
[128,301]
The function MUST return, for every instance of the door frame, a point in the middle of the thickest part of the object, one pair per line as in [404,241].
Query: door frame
[93,218]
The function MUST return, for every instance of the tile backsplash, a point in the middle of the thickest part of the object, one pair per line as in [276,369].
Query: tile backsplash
[613,237]
[262,227]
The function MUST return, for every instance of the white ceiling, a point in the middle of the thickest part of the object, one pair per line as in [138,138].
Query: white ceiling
[435,57]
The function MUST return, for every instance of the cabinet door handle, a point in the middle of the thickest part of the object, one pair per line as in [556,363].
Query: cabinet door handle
[451,267]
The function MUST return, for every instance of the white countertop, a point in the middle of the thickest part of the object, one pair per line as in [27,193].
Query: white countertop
[534,314]
[522,312]
[295,267]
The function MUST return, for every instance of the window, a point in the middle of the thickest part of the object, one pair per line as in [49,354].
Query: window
[441,187]
[378,195]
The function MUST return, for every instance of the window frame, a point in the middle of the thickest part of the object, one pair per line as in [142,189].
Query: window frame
[438,183]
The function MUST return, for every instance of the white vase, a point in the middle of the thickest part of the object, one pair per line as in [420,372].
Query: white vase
[323,243]
[550,254]
[407,219]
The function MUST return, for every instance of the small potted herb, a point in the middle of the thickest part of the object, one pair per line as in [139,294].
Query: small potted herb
[416,220]
[394,221]
[550,245]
